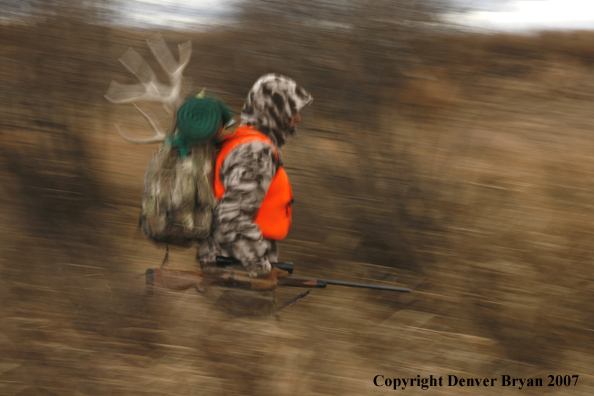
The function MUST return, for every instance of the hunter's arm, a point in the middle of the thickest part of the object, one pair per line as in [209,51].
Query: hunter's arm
[246,175]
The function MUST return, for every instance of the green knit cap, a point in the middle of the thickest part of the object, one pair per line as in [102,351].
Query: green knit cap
[199,120]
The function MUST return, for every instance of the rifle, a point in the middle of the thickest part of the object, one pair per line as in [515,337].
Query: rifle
[184,280]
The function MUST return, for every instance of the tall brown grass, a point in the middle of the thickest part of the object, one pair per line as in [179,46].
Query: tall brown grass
[456,165]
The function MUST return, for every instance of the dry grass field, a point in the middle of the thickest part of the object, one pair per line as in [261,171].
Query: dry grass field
[467,181]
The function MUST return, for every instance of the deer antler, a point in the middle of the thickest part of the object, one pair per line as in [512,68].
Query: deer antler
[150,88]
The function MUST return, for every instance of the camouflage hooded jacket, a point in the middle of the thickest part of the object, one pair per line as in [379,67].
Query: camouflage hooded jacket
[247,173]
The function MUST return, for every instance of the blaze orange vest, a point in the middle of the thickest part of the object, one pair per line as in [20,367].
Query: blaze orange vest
[274,215]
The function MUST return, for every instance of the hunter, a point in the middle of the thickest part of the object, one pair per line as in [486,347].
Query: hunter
[251,186]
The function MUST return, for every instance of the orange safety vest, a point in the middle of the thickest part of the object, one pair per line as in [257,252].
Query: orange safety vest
[274,215]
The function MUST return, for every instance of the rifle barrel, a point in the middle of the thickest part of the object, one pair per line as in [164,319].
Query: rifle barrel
[362,285]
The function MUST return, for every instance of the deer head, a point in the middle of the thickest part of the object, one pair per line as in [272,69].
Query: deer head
[150,88]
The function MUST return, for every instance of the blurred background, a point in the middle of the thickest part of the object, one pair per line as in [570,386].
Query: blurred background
[447,150]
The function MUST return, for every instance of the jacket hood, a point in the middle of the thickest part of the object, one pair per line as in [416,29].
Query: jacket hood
[272,103]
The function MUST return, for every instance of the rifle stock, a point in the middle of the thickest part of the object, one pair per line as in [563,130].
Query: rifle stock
[183,280]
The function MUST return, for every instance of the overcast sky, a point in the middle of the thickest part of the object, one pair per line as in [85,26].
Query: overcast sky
[512,15]
[527,14]
[193,14]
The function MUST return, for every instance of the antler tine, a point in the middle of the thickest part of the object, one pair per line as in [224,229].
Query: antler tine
[155,139]
[120,93]
[159,133]
[150,88]
[172,68]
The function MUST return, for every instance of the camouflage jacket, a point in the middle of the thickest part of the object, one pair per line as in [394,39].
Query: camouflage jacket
[246,175]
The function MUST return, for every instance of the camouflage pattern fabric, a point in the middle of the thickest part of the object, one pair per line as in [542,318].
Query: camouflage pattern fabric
[177,201]
[247,173]
[272,103]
